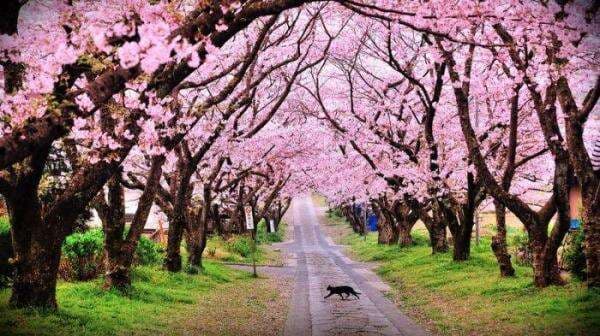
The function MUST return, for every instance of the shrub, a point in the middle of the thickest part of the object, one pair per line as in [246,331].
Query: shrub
[574,257]
[522,250]
[82,253]
[262,236]
[148,252]
[240,245]
[212,251]
[6,268]
[335,212]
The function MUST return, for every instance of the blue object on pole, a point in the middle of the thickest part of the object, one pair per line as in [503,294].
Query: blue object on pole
[372,221]
[575,224]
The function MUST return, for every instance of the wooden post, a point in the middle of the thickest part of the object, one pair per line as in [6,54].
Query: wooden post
[253,233]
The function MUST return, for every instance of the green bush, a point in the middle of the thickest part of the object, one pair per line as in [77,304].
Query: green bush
[522,250]
[335,212]
[149,252]
[574,257]
[240,245]
[83,255]
[262,236]
[5,253]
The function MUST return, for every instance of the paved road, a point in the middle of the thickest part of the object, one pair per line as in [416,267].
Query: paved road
[318,263]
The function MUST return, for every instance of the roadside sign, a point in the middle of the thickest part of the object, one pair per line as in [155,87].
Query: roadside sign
[272,225]
[249,217]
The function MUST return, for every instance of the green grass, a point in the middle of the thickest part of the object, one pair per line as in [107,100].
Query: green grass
[238,248]
[4,225]
[471,298]
[151,307]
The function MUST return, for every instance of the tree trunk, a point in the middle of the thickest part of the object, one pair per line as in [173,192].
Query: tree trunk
[406,218]
[195,249]
[545,267]
[462,234]
[591,230]
[545,263]
[437,231]
[118,269]
[437,236]
[34,283]
[405,238]
[499,245]
[387,233]
[173,258]
[196,243]
[37,250]
[462,243]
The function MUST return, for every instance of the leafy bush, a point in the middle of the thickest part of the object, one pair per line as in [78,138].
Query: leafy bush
[212,251]
[240,245]
[82,253]
[262,236]
[148,252]
[522,249]
[574,257]
[335,212]
[5,253]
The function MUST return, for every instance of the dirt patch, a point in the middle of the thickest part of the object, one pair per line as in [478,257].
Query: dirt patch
[253,307]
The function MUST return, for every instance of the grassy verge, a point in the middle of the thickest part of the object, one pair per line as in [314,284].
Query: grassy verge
[469,298]
[159,303]
[238,248]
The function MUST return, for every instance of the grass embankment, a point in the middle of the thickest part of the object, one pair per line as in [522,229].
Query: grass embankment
[470,298]
[159,303]
[237,249]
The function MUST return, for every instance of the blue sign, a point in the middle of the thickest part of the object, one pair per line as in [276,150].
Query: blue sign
[372,222]
[575,224]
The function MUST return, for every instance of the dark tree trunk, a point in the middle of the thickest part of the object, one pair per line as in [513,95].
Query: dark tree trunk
[112,214]
[178,221]
[436,227]
[349,213]
[118,269]
[462,244]
[196,243]
[37,250]
[462,229]
[173,258]
[545,266]
[589,180]
[404,236]
[499,245]
[36,241]
[437,231]
[119,250]
[387,233]
[34,283]
[196,235]
[591,231]
[437,235]
[406,218]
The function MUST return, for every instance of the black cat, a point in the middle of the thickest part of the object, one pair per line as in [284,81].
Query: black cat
[339,290]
